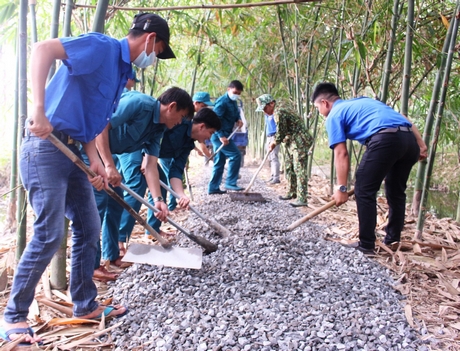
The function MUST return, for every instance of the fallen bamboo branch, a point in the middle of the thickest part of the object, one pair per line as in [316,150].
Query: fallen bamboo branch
[66,310]
[192,7]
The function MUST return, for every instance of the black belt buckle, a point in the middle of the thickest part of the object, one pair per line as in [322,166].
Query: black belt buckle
[64,138]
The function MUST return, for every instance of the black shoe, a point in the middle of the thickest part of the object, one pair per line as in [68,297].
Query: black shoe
[287,197]
[274,181]
[218,192]
[357,246]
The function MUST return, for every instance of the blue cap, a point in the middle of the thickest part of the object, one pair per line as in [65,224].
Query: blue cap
[203,97]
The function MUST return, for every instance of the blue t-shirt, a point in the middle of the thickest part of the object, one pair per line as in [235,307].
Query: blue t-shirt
[360,118]
[136,125]
[176,145]
[270,124]
[227,111]
[84,92]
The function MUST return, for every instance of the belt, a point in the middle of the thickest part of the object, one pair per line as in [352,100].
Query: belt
[271,134]
[64,138]
[394,130]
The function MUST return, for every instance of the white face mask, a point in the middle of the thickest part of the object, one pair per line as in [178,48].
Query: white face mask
[143,61]
[233,97]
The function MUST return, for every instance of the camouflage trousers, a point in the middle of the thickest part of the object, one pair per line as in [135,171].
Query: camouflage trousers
[296,171]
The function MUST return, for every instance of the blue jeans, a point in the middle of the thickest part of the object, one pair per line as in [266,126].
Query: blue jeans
[110,215]
[56,188]
[130,165]
[231,152]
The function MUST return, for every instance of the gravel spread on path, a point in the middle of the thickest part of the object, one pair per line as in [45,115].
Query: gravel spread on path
[263,289]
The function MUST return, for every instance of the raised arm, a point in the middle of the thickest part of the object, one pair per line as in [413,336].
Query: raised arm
[43,55]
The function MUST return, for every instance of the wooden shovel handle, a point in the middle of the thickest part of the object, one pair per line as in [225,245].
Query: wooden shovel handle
[78,162]
[220,147]
[316,212]
[257,172]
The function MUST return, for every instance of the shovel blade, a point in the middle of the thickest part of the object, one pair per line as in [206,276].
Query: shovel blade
[176,257]
[248,197]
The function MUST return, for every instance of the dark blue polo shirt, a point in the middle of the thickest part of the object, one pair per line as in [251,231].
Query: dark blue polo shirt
[177,144]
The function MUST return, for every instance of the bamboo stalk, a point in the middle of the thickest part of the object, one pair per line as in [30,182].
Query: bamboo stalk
[22,204]
[283,41]
[390,50]
[295,49]
[67,18]
[17,136]
[407,59]
[54,31]
[33,20]
[439,113]
[99,17]
[422,166]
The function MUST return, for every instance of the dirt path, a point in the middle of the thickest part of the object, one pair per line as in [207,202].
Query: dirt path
[426,273]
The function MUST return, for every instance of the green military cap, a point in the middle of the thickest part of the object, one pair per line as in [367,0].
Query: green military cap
[263,100]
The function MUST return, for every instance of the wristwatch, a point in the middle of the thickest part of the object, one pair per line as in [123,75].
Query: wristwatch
[158,199]
[342,188]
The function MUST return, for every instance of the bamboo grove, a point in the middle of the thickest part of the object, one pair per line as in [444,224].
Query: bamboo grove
[402,52]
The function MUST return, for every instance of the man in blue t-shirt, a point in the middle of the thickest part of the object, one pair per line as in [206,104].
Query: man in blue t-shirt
[75,106]
[393,146]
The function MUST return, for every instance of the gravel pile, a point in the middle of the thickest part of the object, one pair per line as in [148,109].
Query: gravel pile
[264,289]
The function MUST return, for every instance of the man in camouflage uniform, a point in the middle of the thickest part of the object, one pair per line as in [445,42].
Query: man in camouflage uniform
[292,131]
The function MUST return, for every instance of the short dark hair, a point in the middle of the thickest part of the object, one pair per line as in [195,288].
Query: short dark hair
[208,117]
[328,89]
[135,33]
[180,97]
[236,84]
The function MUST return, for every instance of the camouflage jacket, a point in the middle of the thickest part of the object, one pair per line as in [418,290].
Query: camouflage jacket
[291,127]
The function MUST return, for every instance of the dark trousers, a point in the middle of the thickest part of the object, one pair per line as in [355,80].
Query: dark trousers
[388,156]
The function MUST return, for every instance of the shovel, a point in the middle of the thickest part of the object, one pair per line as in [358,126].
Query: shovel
[245,191]
[220,147]
[163,255]
[212,223]
[189,186]
[78,162]
[245,195]
[316,212]
[206,244]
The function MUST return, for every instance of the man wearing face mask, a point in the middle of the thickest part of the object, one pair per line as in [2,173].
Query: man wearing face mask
[226,108]
[76,105]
